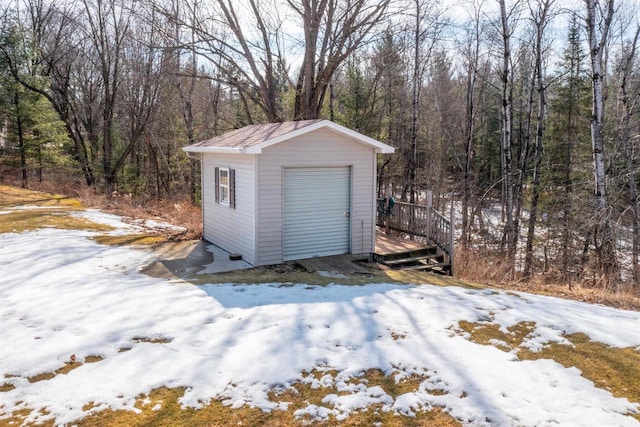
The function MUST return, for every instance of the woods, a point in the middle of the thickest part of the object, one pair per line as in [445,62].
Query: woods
[521,115]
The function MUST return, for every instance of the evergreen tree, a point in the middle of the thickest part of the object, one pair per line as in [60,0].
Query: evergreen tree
[33,130]
[568,157]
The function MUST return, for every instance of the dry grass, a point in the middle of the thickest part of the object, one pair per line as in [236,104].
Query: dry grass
[154,340]
[17,419]
[486,333]
[6,387]
[286,274]
[162,408]
[178,211]
[292,274]
[30,210]
[130,239]
[28,220]
[12,197]
[68,367]
[616,370]
[430,278]
[493,272]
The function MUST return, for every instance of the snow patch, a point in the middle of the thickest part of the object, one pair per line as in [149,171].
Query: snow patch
[62,294]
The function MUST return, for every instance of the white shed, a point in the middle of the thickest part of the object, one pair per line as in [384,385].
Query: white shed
[292,190]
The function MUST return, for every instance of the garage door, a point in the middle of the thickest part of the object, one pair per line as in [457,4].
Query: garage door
[317,202]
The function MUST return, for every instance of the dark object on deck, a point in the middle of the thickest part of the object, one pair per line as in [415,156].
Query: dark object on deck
[235,257]
[421,223]
[385,207]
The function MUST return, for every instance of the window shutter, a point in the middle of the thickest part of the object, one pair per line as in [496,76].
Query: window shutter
[232,188]
[217,184]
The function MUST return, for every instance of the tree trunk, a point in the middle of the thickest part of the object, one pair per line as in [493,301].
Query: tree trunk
[469,159]
[599,20]
[415,107]
[469,180]
[540,21]
[635,214]
[21,144]
[507,172]
[333,30]
[187,115]
[627,106]
[523,157]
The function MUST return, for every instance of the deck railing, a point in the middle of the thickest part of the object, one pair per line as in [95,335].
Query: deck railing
[419,222]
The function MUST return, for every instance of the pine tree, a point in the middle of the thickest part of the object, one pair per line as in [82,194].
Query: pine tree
[568,155]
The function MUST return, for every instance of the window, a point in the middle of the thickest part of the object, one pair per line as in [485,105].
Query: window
[223,183]
[225,186]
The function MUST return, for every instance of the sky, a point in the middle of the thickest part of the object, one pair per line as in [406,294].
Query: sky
[61,293]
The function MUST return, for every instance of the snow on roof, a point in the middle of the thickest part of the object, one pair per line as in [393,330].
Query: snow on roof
[253,138]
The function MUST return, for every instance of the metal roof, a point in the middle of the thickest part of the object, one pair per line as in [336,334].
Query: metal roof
[253,139]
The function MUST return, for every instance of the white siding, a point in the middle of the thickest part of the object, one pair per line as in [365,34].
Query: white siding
[231,229]
[321,148]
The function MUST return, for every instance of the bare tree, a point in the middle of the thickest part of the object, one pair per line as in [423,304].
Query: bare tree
[471,58]
[540,18]
[506,137]
[249,62]
[142,75]
[333,30]
[185,76]
[108,26]
[598,26]
[627,104]
[388,63]
[255,64]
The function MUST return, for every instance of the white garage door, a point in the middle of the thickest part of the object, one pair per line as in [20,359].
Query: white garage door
[317,203]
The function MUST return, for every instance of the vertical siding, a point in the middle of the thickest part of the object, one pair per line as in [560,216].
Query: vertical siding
[231,229]
[317,149]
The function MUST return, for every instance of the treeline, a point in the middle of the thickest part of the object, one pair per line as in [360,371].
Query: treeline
[522,112]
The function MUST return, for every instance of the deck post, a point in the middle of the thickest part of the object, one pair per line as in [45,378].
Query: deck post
[451,240]
[429,206]
[388,195]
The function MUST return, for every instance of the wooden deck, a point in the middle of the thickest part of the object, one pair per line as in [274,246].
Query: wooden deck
[397,253]
[425,224]
[389,244]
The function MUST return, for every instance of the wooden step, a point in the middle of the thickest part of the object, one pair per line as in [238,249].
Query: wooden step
[428,258]
[412,260]
[440,267]
[414,253]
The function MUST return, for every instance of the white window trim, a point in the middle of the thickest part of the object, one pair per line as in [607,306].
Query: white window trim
[221,186]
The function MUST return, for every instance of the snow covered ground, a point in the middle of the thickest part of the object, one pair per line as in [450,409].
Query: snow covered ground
[61,293]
